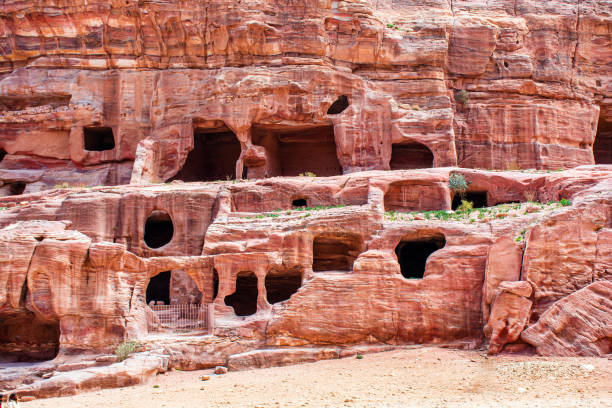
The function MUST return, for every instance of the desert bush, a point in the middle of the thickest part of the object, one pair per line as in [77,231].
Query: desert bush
[307,174]
[466,206]
[457,183]
[126,348]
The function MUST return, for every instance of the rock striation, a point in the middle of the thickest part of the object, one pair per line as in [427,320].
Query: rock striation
[282,168]
[140,92]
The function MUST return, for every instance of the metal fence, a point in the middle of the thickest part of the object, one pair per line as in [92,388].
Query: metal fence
[180,318]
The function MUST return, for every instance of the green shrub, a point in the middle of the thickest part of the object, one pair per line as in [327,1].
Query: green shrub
[457,183]
[126,348]
[565,202]
[359,356]
[307,174]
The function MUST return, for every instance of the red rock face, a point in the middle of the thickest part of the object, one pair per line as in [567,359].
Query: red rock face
[281,275]
[380,100]
[315,87]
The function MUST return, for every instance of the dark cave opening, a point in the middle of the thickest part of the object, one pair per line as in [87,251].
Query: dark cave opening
[25,338]
[215,284]
[2,154]
[410,156]
[98,139]
[280,285]
[412,255]
[294,151]
[158,229]
[158,288]
[339,105]
[299,202]
[602,147]
[244,299]
[213,157]
[478,198]
[335,252]
[17,188]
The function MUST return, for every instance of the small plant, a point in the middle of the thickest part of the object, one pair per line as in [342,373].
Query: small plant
[156,386]
[392,26]
[307,174]
[565,202]
[462,96]
[457,184]
[521,236]
[466,206]
[359,356]
[126,348]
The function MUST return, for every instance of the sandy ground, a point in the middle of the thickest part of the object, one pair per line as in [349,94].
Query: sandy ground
[421,377]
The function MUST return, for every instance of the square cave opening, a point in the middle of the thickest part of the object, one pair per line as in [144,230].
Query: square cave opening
[411,155]
[98,138]
[412,254]
[213,157]
[282,284]
[336,252]
[602,147]
[244,299]
[25,338]
[292,151]
[478,198]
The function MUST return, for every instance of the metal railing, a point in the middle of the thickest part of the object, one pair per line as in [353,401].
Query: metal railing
[180,318]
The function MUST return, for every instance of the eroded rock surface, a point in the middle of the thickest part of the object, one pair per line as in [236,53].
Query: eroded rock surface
[141,91]
[379,100]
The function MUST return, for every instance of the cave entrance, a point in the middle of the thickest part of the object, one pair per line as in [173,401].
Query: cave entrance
[291,152]
[215,284]
[602,147]
[244,299]
[410,156]
[412,255]
[17,188]
[339,105]
[2,154]
[299,202]
[280,285]
[158,289]
[98,139]
[24,338]
[478,198]
[214,156]
[159,229]
[335,252]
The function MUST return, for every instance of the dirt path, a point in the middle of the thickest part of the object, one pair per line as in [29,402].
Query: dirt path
[422,377]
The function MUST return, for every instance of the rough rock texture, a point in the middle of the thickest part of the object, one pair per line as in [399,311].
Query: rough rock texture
[77,264]
[358,84]
[579,324]
[510,312]
[195,94]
